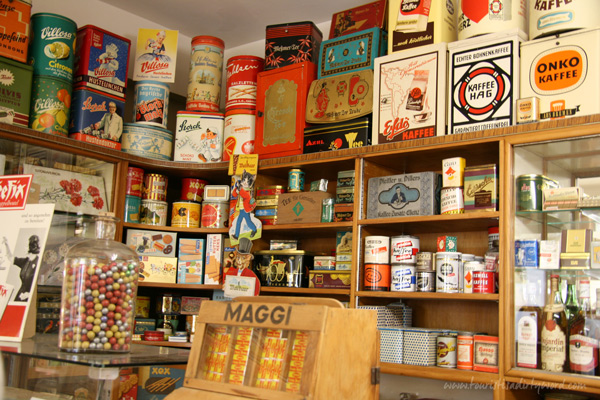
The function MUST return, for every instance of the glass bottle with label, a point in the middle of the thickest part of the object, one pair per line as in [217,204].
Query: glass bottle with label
[554,331]
[572,307]
[583,337]
[529,325]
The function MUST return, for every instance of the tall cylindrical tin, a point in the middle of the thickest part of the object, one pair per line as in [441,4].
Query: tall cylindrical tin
[404,249]
[215,214]
[481,17]
[135,181]
[425,281]
[453,172]
[206,69]
[154,212]
[452,200]
[446,351]
[377,277]
[464,350]
[155,187]
[238,132]
[50,109]
[447,267]
[377,249]
[52,46]
[295,180]
[484,282]
[403,278]
[151,102]
[241,81]
[192,189]
[132,208]
[199,136]
[546,19]
[186,214]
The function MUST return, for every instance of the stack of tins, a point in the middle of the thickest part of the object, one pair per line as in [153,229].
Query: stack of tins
[99,87]
[451,198]
[52,55]
[186,211]
[267,198]
[391,263]
[15,95]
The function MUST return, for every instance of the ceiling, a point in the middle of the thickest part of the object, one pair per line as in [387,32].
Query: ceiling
[237,22]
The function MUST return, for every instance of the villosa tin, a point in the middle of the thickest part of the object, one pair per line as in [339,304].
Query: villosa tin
[238,132]
[50,109]
[241,81]
[206,68]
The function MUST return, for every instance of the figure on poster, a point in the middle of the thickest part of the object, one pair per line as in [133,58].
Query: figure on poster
[28,264]
[108,62]
[110,126]
[245,205]
[210,145]
[398,198]
[5,255]
[156,48]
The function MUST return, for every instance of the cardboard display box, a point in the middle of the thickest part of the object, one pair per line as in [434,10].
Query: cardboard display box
[158,269]
[300,208]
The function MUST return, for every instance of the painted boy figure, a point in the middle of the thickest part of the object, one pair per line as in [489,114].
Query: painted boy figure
[245,205]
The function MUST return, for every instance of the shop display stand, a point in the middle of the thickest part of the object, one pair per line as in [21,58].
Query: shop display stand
[282,348]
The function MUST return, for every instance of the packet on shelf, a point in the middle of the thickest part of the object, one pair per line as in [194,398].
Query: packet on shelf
[152,243]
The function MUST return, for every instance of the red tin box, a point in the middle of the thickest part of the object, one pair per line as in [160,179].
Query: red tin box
[292,43]
[281,109]
[367,16]
[15,19]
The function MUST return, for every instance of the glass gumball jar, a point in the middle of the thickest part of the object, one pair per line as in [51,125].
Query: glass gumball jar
[98,293]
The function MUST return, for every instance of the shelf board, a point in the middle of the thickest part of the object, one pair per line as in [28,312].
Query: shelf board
[179,286]
[444,374]
[313,291]
[321,226]
[523,377]
[442,223]
[164,343]
[431,295]
[174,229]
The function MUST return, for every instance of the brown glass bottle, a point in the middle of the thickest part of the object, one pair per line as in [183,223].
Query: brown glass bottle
[583,338]
[554,332]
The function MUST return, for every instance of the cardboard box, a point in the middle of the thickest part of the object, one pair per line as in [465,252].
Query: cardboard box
[366,16]
[15,91]
[213,265]
[157,381]
[190,266]
[158,269]
[419,195]
[329,279]
[152,243]
[300,208]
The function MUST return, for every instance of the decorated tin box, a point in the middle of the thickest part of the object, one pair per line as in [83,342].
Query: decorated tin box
[151,103]
[410,95]
[352,52]
[341,135]
[481,188]
[420,346]
[486,353]
[155,55]
[147,141]
[391,344]
[101,60]
[404,195]
[14,23]
[198,137]
[366,16]
[15,91]
[329,279]
[292,43]
[440,28]
[190,256]
[283,268]
[484,82]
[560,71]
[152,243]
[395,314]
[281,109]
[301,207]
[96,117]
[158,269]
[340,98]
[50,105]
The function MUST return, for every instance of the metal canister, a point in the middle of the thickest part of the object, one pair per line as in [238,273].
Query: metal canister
[238,132]
[295,180]
[151,100]
[206,69]
[469,267]
[377,277]
[404,249]
[132,208]
[186,214]
[403,278]
[215,214]
[452,200]
[464,350]
[425,261]
[52,46]
[154,212]
[425,281]
[529,191]
[50,109]
[447,267]
[147,141]
[192,189]
[155,187]
[242,72]
[484,282]
[199,136]
[446,351]
[135,181]
[377,249]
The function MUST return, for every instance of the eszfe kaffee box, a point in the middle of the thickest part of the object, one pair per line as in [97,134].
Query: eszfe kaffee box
[562,72]
[410,94]
[300,208]
[404,195]
[484,81]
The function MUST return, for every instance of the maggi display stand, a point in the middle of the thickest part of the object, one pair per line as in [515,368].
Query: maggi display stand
[282,348]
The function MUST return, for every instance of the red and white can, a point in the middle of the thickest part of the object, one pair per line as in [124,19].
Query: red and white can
[238,132]
[484,282]
[377,250]
[241,81]
[464,350]
[135,181]
[192,189]
[405,249]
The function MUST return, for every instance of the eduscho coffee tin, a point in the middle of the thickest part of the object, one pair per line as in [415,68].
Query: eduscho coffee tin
[446,351]
[447,267]
[206,68]
[192,189]
[151,102]
[153,212]
[295,180]
[464,350]
[155,187]
[377,277]
[242,72]
[186,214]
[238,132]
[425,281]
[135,181]
[377,250]
[51,47]
[404,249]
[403,278]
[214,214]
[132,208]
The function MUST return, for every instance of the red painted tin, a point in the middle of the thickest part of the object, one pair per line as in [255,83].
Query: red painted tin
[238,132]
[206,68]
[192,189]
[377,277]
[241,81]
[269,190]
[484,282]
[292,43]
[14,22]
[215,214]
[155,187]
[154,336]
[135,181]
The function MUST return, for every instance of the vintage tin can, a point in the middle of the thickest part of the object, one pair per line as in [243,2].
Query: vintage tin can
[377,249]
[404,249]
[15,90]
[464,350]
[132,208]
[50,105]
[469,268]
[295,180]
[52,46]
[324,263]
[476,18]
[274,190]
[486,353]
[327,210]
[240,88]
[154,212]
[529,191]
[453,172]
[481,188]
[102,60]
[14,22]
[377,277]
[206,69]
[527,253]
[548,18]
[355,19]
[425,281]
[151,103]
[147,141]
[215,214]
[199,136]
[484,282]
[186,214]
[528,110]
[493,234]
[155,187]
[238,132]
[402,278]
[135,181]
[283,268]
[192,189]
[447,267]
[425,261]
[452,201]
[446,351]
[291,43]
[336,136]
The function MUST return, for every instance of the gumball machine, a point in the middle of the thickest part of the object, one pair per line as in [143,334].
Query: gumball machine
[98,293]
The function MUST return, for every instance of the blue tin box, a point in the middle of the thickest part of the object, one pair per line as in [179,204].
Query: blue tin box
[353,52]
[527,253]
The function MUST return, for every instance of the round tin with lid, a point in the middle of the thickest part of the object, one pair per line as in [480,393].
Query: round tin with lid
[206,69]
[446,351]
[447,267]
[403,278]
[155,187]
[238,132]
[376,277]
[377,250]
[186,214]
[404,249]
[215,214]
[242,74]
[154,212]
[464,350]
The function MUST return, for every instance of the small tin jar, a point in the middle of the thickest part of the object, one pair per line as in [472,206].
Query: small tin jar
[242,74]
[377,277]
[295,180]
[135,181]
[132,209]
[239,132]
[446,351]
[186,214]
[155,187]
[425,281]
[214,214]
[154,212]
[206,69]
[404,249]
[192,189]
[151,100]
[425,261]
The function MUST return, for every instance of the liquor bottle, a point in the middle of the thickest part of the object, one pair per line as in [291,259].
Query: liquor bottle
[572,307]
[583,337]
[529,326]
[554,331]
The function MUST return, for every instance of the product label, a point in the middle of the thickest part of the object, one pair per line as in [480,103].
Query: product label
[583,353]
[527,340]
[554,347]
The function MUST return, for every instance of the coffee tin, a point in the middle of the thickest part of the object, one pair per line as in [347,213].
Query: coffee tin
[215,214]
[134,182]
[238,132]
[404,249]
[479,18]
[192,189]
[446,351]
[551,17]
[484,282]
[14,21]
[186,214]
[453,172]
[52,46]
[241,81]
[50,108]
[377,277]
[155,187]
[147,141]
[377,249]
[151,103]
[154,212]
[447,267]
[469,268]
[132,208]
[425,261]
[425,281]
[452,200]
[403,278]
[530,189]
[464,350]
[206,68]
[295,180]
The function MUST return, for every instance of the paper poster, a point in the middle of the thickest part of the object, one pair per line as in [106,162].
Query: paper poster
[155,55]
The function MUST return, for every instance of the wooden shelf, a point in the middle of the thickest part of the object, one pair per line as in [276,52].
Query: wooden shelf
[440,223]
[306,291]
[164,343]
[522,377]
[431,295]
[179,286]
[130,225]
[445,374]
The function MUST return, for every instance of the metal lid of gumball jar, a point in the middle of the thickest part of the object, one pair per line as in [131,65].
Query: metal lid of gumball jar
[98,293]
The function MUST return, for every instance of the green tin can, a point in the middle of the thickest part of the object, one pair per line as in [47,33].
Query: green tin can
[50,105]
[529,191]
[52,46]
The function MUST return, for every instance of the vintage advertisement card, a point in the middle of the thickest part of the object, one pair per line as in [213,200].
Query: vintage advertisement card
[156,55]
